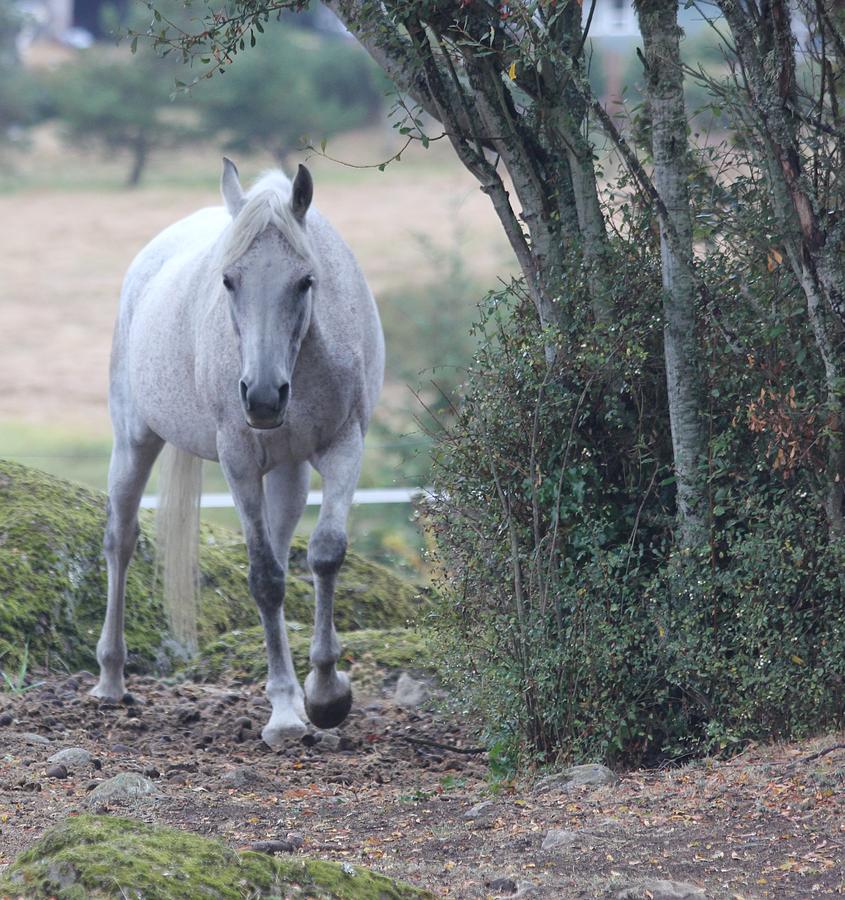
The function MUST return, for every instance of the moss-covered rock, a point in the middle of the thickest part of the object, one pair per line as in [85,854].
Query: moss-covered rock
[53,580]
[105,856]
[240,654]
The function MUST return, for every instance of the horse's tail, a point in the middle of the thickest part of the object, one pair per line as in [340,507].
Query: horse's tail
[177,541]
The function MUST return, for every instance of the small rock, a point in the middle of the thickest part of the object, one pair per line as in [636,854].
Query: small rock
[125,786]
[242,777]
[480,810]
[327,740]
[58,771]
[410,693]
[295,839]
[120,748]
[505,887]
[556,838]
[73,757]
[37,739]
[576,776]
[661,889]
[6,719]
[243,722]
[271,847]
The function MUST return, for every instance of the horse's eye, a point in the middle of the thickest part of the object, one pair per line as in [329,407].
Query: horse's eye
[228,283]
[306,283]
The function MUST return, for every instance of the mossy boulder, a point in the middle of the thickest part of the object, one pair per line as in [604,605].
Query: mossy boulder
[53,580]
[105,856]
[240,654]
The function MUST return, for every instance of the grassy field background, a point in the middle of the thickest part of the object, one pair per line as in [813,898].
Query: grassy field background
[427,240]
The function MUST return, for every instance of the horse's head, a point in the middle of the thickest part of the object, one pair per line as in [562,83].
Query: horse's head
[268,275]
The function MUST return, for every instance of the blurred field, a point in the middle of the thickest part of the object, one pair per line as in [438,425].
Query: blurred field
[69,237]
[424,234]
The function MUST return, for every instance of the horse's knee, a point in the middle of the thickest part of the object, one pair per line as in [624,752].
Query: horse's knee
[326,551]
[267,585]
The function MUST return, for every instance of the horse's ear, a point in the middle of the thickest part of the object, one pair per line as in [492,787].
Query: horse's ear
[230,187]
[302,193]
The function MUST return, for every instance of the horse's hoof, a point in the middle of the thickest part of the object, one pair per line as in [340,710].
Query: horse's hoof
[114,693]
[327,708]
[274,734]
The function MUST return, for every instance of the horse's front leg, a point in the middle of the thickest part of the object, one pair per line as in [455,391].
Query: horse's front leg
[267,585]
[328,693]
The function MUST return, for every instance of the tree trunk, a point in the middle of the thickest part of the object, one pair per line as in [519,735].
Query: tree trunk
[665,94]
[140,152]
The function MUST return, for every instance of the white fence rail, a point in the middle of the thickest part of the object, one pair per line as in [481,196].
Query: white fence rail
[315,498]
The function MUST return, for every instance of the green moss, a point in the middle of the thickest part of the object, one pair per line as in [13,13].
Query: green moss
[53,582]
[104,856]
[240,654]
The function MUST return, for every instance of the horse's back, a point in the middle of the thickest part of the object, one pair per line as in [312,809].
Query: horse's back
[180,241]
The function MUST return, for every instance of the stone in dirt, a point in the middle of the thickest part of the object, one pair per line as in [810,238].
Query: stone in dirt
[480,810]
[271,847]
[59,771]
[661,889]
[106,856]
[72,757]
[31,738]
[558,838]
[591,774]
[504,887]
[410,693]
[122,787]
[242,777]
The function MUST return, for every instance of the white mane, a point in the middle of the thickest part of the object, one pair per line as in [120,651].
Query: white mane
[267,203]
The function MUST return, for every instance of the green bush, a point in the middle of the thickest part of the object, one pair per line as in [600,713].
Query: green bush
[566,617]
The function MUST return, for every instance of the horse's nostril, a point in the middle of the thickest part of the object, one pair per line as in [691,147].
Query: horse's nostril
[284,394]
[245,396]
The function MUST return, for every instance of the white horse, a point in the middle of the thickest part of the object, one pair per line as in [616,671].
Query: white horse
[245,335]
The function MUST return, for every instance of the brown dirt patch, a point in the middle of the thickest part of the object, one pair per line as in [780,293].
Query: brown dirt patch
[767,824]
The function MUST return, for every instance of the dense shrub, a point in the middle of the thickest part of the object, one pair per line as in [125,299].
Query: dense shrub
[567,618]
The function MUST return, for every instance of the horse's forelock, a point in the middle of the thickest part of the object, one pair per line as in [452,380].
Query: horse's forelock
[267,203]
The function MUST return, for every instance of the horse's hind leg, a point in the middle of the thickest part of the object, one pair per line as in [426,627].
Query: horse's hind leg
[267,585]
[328,694]
[129,469]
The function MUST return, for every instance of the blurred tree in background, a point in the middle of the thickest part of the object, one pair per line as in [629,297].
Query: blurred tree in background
[110,99]
[21,100]
[296,86]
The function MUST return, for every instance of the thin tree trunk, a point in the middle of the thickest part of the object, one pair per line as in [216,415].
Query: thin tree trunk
[811,236]
[665,94]
[140,151]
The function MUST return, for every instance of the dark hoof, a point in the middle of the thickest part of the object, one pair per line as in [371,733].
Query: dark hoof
[329,715]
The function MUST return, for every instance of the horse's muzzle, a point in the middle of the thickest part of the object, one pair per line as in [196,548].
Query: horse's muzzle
[264,406]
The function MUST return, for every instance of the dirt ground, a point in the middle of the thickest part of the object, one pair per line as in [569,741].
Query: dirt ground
[391,790]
